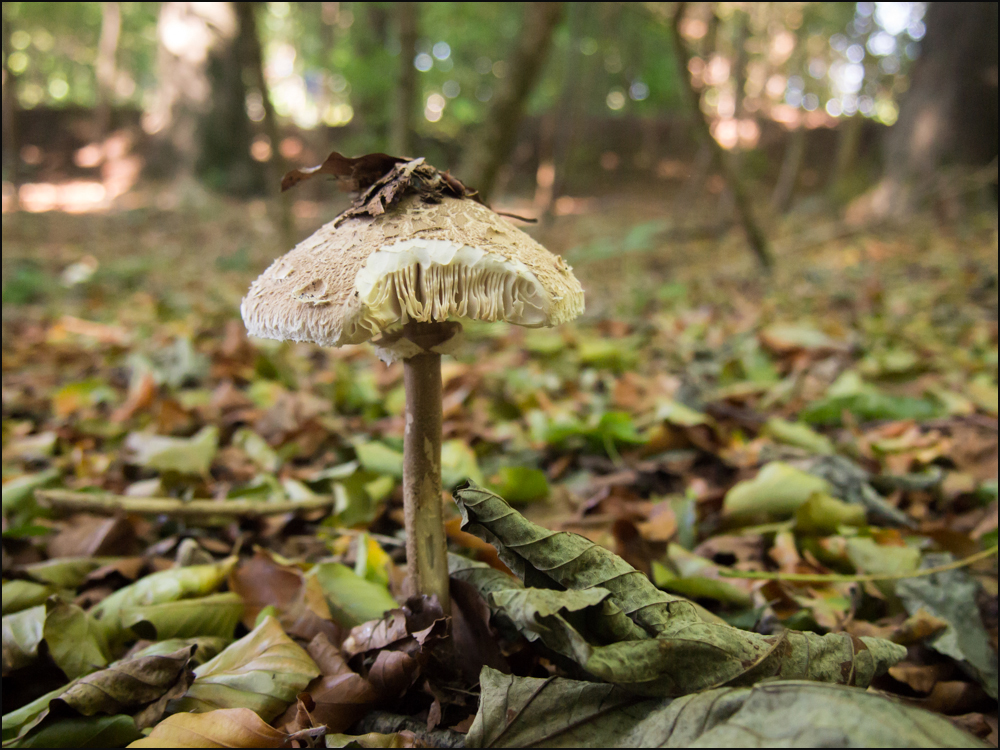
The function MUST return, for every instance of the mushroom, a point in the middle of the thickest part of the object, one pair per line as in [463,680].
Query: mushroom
[414,253]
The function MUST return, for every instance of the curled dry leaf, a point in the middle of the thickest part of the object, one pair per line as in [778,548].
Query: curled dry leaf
[143,681]
[225,727]
[670,649]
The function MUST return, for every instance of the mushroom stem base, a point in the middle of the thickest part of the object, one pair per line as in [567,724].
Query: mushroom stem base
[426,549]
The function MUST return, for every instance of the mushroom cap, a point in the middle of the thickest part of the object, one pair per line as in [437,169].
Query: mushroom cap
[357,277]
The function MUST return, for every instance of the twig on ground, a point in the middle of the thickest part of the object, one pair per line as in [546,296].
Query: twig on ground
[107,503]
[838,578]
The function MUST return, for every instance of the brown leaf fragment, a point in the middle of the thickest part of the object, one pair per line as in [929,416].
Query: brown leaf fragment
[302,608]
[920,677]
[86,535]
[471,634]
[393,672]
[377,634]
[357,174]
[974,723]
[340,696]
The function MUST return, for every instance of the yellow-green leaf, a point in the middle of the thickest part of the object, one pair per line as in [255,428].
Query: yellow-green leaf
[225,727]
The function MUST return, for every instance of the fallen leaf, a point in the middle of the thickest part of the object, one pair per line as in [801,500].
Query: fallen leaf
[352,599]
[192,455]
[225,727]
[339,696]
[77,642]
[528,712]
[22,634]
[215,615]
[663,644]
[951,596]
[264,670]
[776,492]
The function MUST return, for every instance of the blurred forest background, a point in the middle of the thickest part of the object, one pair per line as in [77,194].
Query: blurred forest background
[548,100]
[784,216]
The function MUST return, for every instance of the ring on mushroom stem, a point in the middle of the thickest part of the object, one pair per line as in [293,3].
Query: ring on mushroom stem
[400,264]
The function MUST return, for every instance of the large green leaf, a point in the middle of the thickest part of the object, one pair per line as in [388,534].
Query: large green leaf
[352,599]
[214,615]
[65,572]
[671,649]
[263,671]
[20,595]
[22,634]
[77,642]
[83,731]
[951,596]
[776,492]
[869,407]
[159,588]
[556,712]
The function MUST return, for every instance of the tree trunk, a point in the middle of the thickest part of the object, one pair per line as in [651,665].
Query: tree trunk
[949,113]
[791,165]
[741,198]
[401,137]
[199,120]
[11,139]
[493,144]
[570,107]
[227,133]
[246,13]
[107,66]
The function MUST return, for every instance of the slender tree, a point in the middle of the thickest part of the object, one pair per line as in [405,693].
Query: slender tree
[199,119]
[107,64]
[741,197]
[401,132]
[569,110]
[246,12]
[491,147]
[11,141]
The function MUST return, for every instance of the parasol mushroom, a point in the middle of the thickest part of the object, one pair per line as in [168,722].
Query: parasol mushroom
[415,253]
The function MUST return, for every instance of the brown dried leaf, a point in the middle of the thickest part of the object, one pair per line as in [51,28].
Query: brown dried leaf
[392,673]
[377,634]
[471,634]
[920,677]
[340,696]
[302,608]
[86,535]
[358,173]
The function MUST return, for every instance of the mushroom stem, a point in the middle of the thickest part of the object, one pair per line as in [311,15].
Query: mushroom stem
[426,550]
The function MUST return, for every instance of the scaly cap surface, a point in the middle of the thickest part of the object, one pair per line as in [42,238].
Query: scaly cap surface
[357,277]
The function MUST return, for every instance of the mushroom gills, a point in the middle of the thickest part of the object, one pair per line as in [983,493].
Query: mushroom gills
[432,280]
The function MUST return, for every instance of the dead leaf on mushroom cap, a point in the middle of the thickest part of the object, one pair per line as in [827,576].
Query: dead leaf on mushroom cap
[382,180]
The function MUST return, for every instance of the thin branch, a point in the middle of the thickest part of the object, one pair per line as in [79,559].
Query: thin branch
[756,237]
[836,578]
[77,502]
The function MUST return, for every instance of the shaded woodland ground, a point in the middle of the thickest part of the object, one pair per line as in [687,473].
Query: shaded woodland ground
[811,449]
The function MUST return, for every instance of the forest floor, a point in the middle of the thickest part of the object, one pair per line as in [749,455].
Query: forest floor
[834,420]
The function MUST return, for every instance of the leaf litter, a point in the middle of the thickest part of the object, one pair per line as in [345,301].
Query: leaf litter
[842,422]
